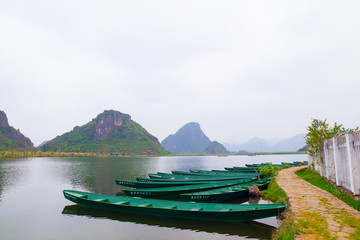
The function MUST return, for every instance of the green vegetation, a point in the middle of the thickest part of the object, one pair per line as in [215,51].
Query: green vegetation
[270,170]
[319,131]
[288,228]
[315,179]
[130,137]
[11,139]
[347,219]
[19,154]
[315,224]
[311,222]
[274,193]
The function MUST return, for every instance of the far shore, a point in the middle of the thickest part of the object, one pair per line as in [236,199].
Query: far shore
[34,153]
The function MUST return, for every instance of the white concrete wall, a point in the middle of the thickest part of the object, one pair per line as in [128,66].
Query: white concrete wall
[329,161]
[354,152]
[342,161]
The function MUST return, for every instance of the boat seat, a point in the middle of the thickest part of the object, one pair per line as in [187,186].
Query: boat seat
[196,209]
[123,203]
[80,195]
[145,205]
[102,200]
[170,207]
[225,210]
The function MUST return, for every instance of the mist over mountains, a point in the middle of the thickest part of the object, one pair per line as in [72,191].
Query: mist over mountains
[262,145]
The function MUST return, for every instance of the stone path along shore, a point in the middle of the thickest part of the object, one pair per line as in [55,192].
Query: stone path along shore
[305,198]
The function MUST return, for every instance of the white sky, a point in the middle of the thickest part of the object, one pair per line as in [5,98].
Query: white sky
[239,68]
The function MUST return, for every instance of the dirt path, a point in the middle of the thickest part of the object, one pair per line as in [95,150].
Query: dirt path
[320,214]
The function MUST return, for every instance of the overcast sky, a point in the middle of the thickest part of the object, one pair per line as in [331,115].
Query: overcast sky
[239,68]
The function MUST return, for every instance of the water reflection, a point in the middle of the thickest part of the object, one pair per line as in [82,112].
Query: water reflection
[98,174]
[250,229]
[32,189]
[12,172]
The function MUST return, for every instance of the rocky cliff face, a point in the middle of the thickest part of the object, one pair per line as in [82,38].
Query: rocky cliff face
[108,123]
[10,138]
[3,120]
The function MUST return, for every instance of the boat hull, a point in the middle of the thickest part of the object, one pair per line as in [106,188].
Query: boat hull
[224,194]
[161,184]
[193,179]
[163,208]
[173,193]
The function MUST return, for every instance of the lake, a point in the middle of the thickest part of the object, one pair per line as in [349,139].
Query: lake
[32,205]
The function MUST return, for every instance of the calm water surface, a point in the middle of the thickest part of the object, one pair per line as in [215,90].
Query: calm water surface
[32,205]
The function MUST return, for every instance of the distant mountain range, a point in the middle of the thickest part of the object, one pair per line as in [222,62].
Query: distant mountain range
[110,132]
[261,145]
[10,138]
[115,132]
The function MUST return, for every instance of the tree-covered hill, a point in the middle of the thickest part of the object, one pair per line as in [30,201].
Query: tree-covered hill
[10,138]
[110,132]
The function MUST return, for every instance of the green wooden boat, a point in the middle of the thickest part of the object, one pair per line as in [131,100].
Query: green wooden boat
[226,193]
[245,170]
[241,168]
[293,164]
[264,165]
[136,184]
[173,193]
[189,178]
[201,175]
[204,173]
[184,210]
[223,172]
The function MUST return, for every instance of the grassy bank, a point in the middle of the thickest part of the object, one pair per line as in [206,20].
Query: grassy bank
[288,227]
[315,179]
[274,193]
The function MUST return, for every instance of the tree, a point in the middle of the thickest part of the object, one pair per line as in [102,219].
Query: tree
[318,132]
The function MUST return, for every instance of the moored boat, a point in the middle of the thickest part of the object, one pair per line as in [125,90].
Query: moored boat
[226,193]
[224,172]
[185,210]
[227,169]
[154,184]
[136,184]
[240,168]
[174,192]
[189,178]
[204,173]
